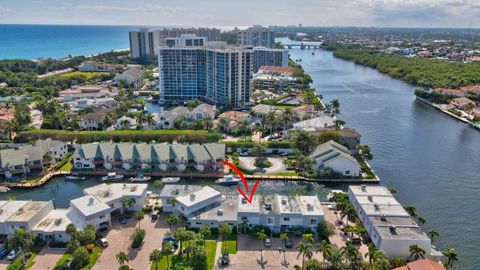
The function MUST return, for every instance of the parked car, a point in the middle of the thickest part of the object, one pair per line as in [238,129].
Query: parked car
[123,220]
[103,242]
[13,254]
[243,154]
[3,252]
[155,214]
[288,243]
[224,260]
[169,238]
[356,240]
[268,242]
[283,154]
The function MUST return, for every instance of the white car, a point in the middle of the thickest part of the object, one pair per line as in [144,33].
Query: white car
[268,242]
[12,255]
[104,242]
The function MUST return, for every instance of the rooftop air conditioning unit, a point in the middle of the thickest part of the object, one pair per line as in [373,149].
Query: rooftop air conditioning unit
[192,197]
[220,212]
[363,187]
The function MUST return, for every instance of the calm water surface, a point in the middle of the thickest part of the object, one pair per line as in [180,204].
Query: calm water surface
[431,159]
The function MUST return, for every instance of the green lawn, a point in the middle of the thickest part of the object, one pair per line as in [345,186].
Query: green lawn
[62,260]
[67,167]
[290,173]
[230,244]
[18,261]
[211,249]
[283,107]
[87,75]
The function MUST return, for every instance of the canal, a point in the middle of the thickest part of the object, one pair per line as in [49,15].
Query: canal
[431,159]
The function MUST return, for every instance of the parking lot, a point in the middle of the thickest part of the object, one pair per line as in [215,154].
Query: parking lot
[119,240]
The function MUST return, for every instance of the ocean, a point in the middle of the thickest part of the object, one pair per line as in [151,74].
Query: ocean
[58,41]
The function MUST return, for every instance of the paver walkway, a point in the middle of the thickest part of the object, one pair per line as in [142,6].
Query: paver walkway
[47,258]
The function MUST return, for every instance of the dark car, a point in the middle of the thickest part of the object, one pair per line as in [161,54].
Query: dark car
[224,260]
[170,239]
[356,240]
[3,252]
[123,220]
[288,243]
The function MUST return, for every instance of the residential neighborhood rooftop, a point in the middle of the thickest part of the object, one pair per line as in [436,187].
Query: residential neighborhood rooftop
[27,211]
[198,196]
[370,190]
[89,205]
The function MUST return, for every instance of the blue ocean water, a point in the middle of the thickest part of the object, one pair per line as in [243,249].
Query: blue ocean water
[57,41]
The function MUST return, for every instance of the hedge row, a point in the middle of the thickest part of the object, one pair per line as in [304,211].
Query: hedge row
[182,136]
[283,144]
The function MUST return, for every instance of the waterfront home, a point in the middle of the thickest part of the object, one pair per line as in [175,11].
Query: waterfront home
[389,226]
[7,209]
[215,214]
[448,91]
[170,192]
[126,122]
[132,77]
[154,157]
[25,159]
[304,112]
[422,264]
[461,102]
[229,121]
[54,225]
[114,194]
[196,201]
[277,78]
[312,124]
[166,119]
[202,111]
[475,89]
[7,113]
[334,156]
[92,66]
[91,210]
[94,120]
[349,137]
[27,216]
[90,92]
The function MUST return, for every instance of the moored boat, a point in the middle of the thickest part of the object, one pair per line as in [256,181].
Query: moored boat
[74,178]
[140,178]
[170,180]
[228,180]
[4,189]
[112,177]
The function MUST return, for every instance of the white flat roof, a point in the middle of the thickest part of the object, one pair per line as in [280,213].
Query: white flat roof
[225,211]
[27,211]
[10,207]
[311,206]
[377,200]
[111,192]
[172,191]
[401,233]
[198,196]
[245,207]
[370,190]
[56,221]
[385,210]
[89,205]
[289,204]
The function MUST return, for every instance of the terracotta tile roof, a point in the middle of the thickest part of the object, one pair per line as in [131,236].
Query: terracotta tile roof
[276,69]
[449,91]
[471,88]
[423,264]
[7,113]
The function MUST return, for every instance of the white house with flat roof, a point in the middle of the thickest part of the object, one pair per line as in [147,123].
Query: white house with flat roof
[170,192]
[114,194]
[54,225]
[91,210]
[7,208]
[196,201]
[27,216]
[389,226]
[215,214]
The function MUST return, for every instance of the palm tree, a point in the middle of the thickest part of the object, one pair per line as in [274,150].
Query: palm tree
[287,116]
[412,211]
[416,252]
[351,254]
[304,249]
[308,238]
[349,212]
[421,220]
[140,120]
[371,255]
[167,250]
[335,259]
[173,220]
[335,107]
[284,237]
[155,257]
[157,184]
[339,124]
[452,257]
[433,234]
[127,202]
[313,264]
[224,229]
[261,235]
[139,215]
[122,258]
[398,262]
[21,241]
[149,120]
[244,128]
[205,232]
[324,248]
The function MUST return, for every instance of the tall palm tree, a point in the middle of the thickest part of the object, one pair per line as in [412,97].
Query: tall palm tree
[412,211]
[371,255]
[325,249]
[158,185]
[452,257]
[433,234]
[224,229]
[122,258]
[141,119]
[349,212]
[173,220]
[21,241]
[149,120]
[139,215]
[244,128]
[335,259]
[261,235]
[284,237]
[416,252]
[313,264]
[167,250]
[287,116]
[398,262]
[127,202]
[205,232]
[155,257]
[335,106]
[304,249]
[308,238]
[351,254]
[421,220]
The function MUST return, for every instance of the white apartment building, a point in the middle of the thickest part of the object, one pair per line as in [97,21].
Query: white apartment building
[196,201]
[256,35]
[91,210]
[389,226]
[114,194]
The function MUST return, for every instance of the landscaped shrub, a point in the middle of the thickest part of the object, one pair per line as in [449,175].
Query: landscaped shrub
[57,244]
[158,208]
[137,238]
[147,209]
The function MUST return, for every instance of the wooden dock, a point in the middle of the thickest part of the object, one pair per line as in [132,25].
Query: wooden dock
[45,178]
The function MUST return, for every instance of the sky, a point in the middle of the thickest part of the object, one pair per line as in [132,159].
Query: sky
[228,13]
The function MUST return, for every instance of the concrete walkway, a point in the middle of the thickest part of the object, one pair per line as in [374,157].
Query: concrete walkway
[47,258]
[218,252]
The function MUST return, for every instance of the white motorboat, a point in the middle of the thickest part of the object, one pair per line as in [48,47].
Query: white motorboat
[112,177]
[4,189]
[170,180]
[228,180]
[74,178]
[140,178]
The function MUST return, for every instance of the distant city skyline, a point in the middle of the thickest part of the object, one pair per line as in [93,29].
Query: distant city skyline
[226,14]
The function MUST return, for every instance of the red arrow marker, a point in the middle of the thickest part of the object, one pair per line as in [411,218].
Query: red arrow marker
[248,198]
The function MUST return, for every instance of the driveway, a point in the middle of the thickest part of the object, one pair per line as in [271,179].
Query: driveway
[47,258]
[119,240]
[277,165]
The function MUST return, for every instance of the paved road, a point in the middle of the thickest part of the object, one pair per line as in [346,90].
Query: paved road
[277,165]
